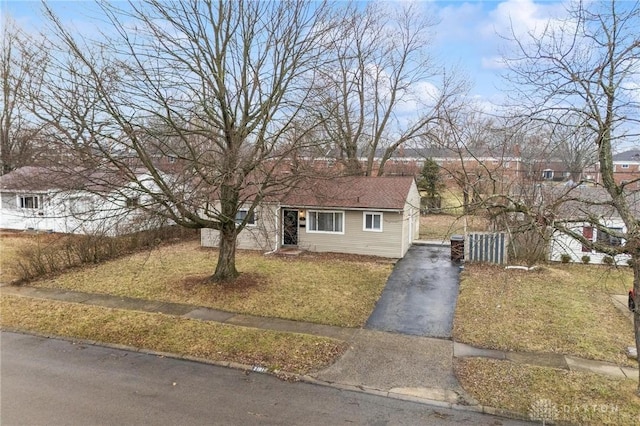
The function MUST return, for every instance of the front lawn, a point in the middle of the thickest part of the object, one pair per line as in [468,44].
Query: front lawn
[327,289]
[559,308]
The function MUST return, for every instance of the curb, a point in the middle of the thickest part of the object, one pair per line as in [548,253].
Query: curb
[283,375]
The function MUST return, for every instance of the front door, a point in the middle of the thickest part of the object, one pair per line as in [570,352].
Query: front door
[290,227]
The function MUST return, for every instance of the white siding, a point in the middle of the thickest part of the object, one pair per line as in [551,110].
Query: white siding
[564,244]
[71,213]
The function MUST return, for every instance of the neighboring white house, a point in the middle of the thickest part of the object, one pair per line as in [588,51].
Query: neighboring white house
[44,199]
[574,218]
[564,244]
[376,216]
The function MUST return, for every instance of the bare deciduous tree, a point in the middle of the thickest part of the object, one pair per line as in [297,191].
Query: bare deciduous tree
[573,142]
[378,91]
[21,65]
[199,95]
[586,67]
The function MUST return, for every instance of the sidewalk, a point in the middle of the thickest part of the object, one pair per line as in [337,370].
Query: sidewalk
[382,363]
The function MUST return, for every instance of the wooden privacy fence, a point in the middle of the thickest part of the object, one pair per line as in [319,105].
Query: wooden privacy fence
[486,247]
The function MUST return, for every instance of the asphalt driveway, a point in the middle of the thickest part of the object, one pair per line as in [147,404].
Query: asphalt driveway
[420,295]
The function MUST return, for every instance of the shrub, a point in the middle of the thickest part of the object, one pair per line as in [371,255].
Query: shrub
[630,262]
[69,251]
[565,258]
[586,259]
[608,260]
[529,247]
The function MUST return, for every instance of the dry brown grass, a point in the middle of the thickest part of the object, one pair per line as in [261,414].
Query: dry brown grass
[560,308]
[580,398]
[331,290]
[293,353]
[441,227]
[11,244]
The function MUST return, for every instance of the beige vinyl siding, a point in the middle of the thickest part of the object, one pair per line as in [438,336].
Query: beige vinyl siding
[411,223]
[357,241]
[261,236]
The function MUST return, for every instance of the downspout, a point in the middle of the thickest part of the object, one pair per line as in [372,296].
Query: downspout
[275,249]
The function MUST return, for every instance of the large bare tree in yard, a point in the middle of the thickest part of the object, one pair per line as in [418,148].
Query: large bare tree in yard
[381,89]
[21,65]
[587,67]
[201,96]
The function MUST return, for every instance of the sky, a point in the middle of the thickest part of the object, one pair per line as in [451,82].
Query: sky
[471,35]
[467,37]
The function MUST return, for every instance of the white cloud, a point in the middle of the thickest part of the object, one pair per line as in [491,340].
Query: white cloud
[493,63]
[522,17]
[459,22]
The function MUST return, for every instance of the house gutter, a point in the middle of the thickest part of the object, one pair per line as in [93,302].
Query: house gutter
[368,209]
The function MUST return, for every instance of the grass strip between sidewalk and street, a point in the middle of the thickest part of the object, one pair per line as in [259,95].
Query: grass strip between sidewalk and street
[541,393]
[287,352]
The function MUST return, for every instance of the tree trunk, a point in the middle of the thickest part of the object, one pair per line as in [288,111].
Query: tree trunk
[635,259]
[226,268]
[354,168]
[465,199]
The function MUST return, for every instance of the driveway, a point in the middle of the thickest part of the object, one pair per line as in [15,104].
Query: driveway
[420,295]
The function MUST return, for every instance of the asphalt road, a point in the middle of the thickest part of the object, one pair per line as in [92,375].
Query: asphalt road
[56,382]
[420,295]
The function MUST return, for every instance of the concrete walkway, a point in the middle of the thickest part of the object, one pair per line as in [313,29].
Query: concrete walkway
[377,360]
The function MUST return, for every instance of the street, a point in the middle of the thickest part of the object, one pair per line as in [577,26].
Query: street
[53,382]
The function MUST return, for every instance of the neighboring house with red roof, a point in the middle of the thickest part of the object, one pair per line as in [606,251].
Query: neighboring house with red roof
[376,216]
[626,168]
[68,201]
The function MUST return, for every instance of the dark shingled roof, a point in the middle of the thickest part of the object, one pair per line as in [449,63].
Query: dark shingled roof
[631,155]
[43,179]
[584,201]
[356,192]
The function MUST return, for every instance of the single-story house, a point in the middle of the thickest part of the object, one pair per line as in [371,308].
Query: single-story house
[376,216]
[580,217]
[563,244]
[60,200]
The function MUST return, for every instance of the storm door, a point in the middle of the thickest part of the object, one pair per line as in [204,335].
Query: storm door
[290,227]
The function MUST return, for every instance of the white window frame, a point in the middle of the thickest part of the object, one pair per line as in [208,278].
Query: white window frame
[373,215]
[547,174]
[608,239]
[240,217]
[311,220]
[21,204]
